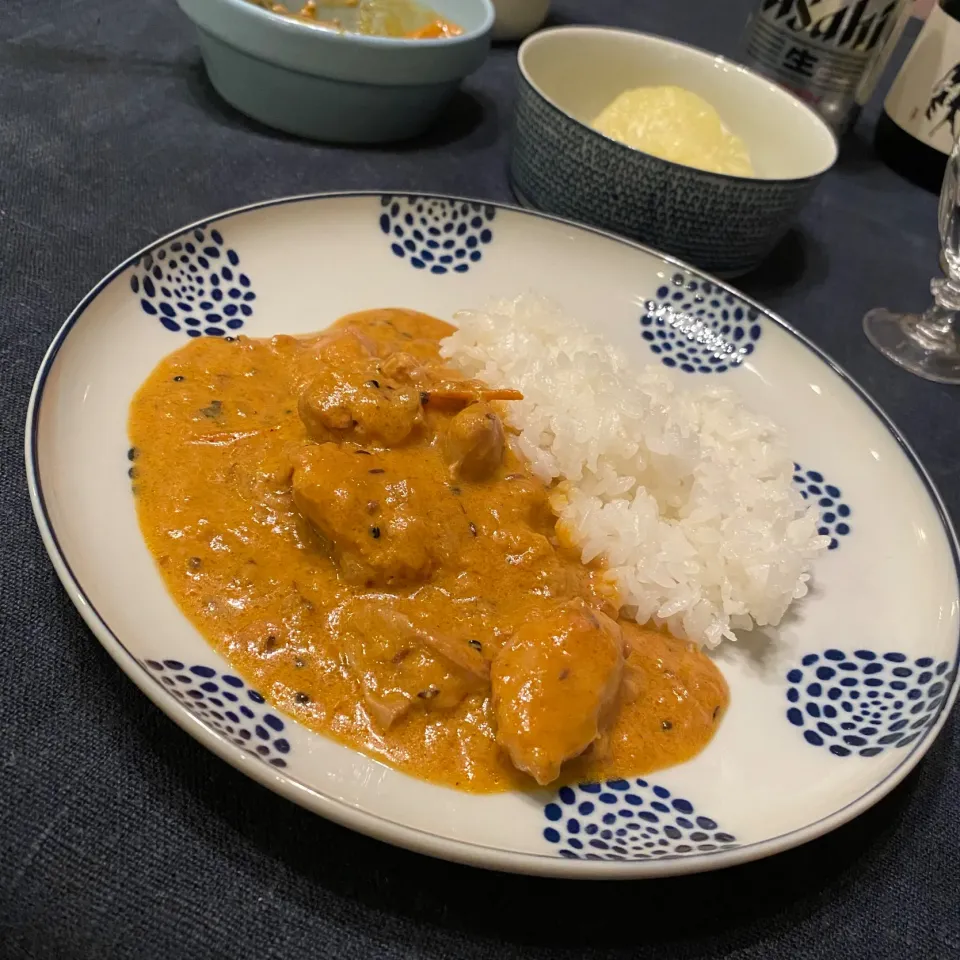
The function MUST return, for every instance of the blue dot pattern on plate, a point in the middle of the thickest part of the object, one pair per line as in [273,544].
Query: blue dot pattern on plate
[629,820]
[698,327]
[227,705]
[194,284]
[864,702]
[834,513]
[442,236]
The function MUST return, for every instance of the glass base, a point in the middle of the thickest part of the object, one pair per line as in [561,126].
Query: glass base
[899,337]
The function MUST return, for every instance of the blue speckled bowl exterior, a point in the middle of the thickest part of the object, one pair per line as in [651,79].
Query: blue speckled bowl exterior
[724,225]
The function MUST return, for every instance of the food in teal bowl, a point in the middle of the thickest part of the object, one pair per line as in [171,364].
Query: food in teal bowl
[317,76]
[725,223]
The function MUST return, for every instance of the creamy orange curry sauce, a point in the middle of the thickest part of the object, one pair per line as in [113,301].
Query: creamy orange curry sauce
[342,517]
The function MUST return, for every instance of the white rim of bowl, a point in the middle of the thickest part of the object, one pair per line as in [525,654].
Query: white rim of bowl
[382,828]
[543,36]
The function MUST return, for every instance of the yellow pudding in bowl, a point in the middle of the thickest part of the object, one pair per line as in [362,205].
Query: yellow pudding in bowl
[676,125]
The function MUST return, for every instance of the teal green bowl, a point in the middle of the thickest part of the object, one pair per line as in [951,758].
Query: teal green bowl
[336,87]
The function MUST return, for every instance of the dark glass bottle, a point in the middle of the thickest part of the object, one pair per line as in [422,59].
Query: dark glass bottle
[827,52]
[921,114]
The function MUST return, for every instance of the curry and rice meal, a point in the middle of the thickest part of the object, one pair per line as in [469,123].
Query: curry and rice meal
[487,555]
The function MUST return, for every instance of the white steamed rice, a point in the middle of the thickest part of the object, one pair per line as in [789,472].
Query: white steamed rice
[685,493]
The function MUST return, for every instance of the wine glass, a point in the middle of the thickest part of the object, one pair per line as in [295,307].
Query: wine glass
[928,343]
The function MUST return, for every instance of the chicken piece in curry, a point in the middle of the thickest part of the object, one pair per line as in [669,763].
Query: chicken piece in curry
[343,517]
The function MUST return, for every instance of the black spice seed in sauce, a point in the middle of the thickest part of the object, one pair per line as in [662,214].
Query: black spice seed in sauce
[429,693]
[179,379]
[375,533]
[377,470]
[270,642]
[195,563]
[424,397]
[666,725]
[132,453]
[364,453]
[374,383]
[299,662]
[132,473]
[716,711]
[476,644]
[302,697]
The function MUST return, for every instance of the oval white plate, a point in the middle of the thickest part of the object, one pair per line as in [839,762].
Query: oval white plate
[826,716]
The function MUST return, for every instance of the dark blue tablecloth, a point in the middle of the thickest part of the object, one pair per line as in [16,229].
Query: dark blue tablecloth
[120,837]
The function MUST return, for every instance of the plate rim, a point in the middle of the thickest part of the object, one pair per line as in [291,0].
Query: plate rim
[375,825]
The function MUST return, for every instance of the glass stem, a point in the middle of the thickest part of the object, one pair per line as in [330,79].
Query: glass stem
[940,323]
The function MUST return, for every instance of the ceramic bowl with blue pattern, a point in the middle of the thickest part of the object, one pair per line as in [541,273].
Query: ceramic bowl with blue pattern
[724,224]
[827,713]
[336,87]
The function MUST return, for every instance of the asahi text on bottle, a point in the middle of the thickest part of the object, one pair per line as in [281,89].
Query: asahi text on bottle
[823,50]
